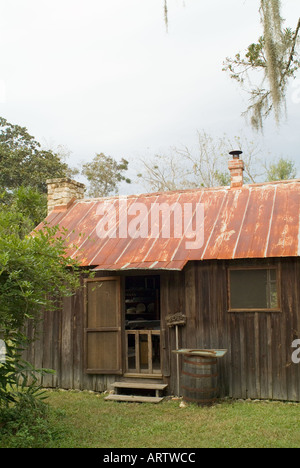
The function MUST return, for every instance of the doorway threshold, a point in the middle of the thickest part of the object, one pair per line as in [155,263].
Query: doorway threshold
[142,376]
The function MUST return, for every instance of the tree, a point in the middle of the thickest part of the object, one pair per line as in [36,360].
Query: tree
[23,162]
[274,59]
[184,168]
[104,174]
[25,208]
[208,165]
[283,169]
[35,272]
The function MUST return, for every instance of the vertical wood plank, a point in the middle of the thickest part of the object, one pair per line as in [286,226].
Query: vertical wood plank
[126,352]
[38,346]
[67,344]
[48,348]
[149,339]
[137,351]
[165,347]
[78,336]
[57,346]
[190,305]
[262,357]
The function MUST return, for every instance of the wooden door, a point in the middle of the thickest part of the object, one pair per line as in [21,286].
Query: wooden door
[103,351]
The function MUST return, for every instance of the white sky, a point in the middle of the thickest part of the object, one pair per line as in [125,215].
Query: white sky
[104,76]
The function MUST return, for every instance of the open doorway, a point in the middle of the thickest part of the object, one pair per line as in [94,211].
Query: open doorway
[142,325]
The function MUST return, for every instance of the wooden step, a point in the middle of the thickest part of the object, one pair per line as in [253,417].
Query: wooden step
[140,385]
[137,391]
[138,388]
[131,375]
[134,398]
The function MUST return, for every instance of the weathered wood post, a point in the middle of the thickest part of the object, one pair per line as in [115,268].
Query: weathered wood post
[176,320]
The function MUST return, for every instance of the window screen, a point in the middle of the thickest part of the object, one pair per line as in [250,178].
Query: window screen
[253,289]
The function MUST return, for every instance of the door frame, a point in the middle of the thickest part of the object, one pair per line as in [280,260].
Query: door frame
[120,329]
[124,334]
[117,329]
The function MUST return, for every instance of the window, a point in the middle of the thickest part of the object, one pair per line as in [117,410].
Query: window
[254,289]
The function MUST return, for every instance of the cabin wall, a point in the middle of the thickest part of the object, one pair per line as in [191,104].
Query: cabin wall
[258,363]
[60,346]
[201,291]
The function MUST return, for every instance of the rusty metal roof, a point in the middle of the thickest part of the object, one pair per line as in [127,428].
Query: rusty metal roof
[254,221]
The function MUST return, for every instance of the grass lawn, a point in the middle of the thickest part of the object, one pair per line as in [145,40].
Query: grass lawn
[85,419]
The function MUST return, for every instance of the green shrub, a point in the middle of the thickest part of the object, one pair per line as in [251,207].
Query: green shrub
[24,416]
[26,424]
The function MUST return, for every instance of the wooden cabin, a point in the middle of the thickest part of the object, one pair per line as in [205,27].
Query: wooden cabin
[239,287]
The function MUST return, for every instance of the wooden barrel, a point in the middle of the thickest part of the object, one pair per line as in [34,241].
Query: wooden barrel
[199,380]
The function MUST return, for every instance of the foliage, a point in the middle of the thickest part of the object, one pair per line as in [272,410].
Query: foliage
[25,167]
[31,203]
[23,162]
[22,210]
[18,378]
[24,417]
[274,59]
[104,174]
[27,424]
[34,272]
[283,169]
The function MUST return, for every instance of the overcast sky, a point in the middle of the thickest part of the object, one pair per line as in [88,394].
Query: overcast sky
[104,76]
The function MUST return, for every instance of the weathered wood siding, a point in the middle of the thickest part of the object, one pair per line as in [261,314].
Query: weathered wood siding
[258,363]
[61,347]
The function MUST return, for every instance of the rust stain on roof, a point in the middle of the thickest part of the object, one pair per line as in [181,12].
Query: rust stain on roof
[253,221]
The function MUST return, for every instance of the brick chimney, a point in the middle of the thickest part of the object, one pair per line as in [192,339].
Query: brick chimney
[61,192]
[236,168]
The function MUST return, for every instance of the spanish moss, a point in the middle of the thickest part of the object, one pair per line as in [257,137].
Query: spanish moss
[166,15]
[272,23]
[267,66]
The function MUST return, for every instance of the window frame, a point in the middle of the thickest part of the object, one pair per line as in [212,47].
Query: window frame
[255,267]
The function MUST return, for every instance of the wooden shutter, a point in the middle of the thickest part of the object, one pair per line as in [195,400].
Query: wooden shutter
[103,326]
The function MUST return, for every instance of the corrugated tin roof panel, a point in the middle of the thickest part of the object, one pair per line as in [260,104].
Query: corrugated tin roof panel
[254,221]
[175,265]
